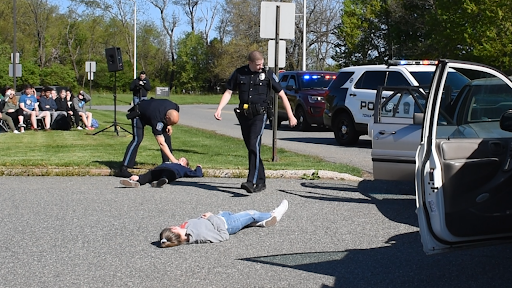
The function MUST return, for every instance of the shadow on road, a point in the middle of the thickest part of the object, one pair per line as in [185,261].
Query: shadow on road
[403,264]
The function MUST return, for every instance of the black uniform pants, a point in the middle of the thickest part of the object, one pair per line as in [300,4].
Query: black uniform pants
[155,174]
[138,136]
[252,131]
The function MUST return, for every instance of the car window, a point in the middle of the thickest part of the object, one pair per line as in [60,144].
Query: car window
[396,78]
[292,81]
[340,79]
[284,79]
[400,106]
[477,108]
[455,79]
[316,81]
[371,80]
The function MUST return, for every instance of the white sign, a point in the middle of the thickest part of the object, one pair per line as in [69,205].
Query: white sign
[162,92]
[286,20]
[272,53]
[90,66]
[17,60]
[18,70]
[90,75]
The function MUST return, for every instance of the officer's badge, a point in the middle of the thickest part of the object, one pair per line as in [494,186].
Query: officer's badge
[262,76]
[159,126]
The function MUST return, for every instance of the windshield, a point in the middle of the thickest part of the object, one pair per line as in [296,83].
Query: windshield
[316,81]
[454,79]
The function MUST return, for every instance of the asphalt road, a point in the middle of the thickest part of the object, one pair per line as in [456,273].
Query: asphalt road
[89,232]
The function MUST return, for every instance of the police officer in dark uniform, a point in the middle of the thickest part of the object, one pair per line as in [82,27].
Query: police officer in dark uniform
[140,87]
[253,84]
[160,114]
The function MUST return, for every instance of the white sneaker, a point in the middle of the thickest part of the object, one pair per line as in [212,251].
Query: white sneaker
[279,211]
[129,183]
[277,214]
[79,128]
[16,132]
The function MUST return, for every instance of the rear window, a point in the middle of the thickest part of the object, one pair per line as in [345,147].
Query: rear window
[341,79]
[316,81]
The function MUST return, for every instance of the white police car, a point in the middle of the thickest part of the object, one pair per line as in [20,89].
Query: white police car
[350,100]
[463,162]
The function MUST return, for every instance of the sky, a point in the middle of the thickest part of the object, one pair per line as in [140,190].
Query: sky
[146,11]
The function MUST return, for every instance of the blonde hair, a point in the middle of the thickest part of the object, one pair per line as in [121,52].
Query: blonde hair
[254,56]
[169,238]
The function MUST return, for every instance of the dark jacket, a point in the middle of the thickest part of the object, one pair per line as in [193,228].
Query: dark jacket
[44,102]
[137,88]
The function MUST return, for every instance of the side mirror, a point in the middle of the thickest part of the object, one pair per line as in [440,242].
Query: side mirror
[417,118]
[289,87]
[506,121]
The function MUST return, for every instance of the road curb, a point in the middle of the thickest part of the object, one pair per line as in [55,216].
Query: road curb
[217,173]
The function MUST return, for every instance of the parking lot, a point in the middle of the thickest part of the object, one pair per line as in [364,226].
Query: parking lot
[90,232]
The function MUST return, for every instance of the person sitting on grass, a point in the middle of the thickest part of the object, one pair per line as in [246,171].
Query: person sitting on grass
[210,228]
[79,104]
[164,173]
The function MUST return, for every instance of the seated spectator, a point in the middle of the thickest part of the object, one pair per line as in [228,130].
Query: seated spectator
[11,111]
[63,104]
[47,103]
[30,107]
[79,104]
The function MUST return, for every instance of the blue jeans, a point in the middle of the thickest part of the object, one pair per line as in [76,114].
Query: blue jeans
[235,222]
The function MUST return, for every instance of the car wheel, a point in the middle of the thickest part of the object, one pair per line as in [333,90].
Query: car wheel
[345,130]
[302,121]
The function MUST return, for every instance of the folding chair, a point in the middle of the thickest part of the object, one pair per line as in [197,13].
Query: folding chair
[3,125]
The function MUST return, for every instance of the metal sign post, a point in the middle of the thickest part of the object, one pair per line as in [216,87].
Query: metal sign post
[277,21]
[90,68]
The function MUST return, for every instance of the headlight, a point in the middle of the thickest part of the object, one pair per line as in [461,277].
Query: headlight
[314,99]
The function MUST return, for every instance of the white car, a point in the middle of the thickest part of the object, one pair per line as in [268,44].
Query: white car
[350,100]
[463,163]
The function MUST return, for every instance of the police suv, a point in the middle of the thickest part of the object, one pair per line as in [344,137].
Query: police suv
[350,100]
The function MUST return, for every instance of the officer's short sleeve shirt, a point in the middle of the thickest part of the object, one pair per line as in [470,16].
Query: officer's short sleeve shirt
[153,111]
[252,86]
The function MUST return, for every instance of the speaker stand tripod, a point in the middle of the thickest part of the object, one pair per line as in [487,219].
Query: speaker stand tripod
[114,124]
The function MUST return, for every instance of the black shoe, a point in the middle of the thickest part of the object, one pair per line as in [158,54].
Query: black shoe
[158,184]
[259,187]
[248,186]
[123,172]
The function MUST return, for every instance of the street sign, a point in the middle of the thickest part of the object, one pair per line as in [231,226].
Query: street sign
[272,53]
[90,75]
[18,70]
[286,20]
[90,66]
[17,60]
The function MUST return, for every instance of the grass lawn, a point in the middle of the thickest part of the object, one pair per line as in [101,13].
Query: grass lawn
[104,98]
[78,152]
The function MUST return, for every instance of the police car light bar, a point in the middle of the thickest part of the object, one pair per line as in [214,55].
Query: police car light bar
[411,62]
[307,77]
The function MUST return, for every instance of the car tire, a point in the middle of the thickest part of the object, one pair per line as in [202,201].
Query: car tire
[302,121]
[345,130]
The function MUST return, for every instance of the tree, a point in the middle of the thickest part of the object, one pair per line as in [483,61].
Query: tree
[192,58]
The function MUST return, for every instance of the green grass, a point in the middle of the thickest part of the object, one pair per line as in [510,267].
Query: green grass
[104,98]
[78,152]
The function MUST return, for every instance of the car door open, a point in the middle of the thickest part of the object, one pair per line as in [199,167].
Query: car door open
[464,161]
